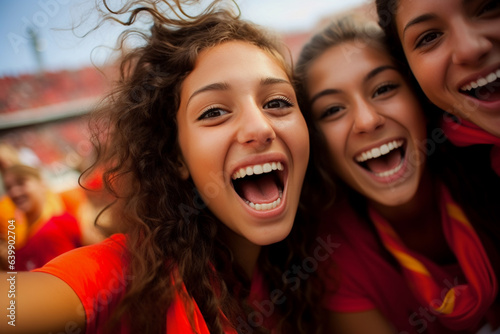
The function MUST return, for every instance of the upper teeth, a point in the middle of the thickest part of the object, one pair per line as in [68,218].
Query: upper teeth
[482,81]
[378,151]
[257,169]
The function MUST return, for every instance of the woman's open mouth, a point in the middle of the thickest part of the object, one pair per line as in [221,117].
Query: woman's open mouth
[484,89]
[385,160]
[260,186]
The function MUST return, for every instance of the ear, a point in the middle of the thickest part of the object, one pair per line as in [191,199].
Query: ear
[182,169]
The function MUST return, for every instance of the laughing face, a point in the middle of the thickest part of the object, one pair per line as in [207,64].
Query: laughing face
[26,192]
[244,141]
[453,49]
[373,123]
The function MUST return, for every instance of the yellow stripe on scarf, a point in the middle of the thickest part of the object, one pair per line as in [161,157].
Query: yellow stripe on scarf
[456,213]
[448,303]
[411,263]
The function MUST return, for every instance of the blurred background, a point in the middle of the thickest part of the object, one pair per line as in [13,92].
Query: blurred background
[52,72]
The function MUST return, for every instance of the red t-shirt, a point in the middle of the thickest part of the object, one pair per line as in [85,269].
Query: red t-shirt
[58,235]
[97,275]
[369,278]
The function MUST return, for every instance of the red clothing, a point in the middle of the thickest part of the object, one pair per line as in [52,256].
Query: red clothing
[58,235]
[466,133]
[370,278]
[98,276]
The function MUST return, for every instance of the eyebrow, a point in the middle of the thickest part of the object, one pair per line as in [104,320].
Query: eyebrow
[274,81]
[221,86]
[379,69]
[369,76]
[324,93]
[417,20]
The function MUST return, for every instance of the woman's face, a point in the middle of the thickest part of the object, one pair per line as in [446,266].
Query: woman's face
[244,141]
[453,49]
[373,123]
[26,192]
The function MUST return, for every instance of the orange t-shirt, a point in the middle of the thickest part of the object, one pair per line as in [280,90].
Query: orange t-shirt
[97,274]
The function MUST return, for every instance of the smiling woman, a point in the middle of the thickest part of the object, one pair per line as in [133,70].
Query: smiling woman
[400,216]
[253,108]
[205,149]
[453,50]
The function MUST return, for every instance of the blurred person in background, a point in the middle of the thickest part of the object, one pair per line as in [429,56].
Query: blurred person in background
[49,229]
[73,200]
[9,157]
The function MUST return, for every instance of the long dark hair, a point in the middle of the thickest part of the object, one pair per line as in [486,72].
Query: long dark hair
[466,170]
[173,239]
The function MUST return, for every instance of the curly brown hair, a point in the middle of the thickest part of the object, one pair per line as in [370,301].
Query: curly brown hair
[173,239]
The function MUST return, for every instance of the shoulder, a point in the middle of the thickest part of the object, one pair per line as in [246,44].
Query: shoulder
[97,274]
[347,228]
[83,263]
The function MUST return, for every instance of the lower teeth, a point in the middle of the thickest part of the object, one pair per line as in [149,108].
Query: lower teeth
[390,172]
[266,206]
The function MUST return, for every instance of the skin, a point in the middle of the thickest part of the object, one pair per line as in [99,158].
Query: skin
[361,107]
[254,121]
[374,106]
[234,116]
[27,193]
[449,44]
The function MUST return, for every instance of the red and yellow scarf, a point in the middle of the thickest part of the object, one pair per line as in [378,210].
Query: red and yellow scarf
[461,306]
[466,133]
[177,313]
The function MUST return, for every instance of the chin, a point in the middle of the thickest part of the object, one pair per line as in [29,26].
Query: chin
[269,238]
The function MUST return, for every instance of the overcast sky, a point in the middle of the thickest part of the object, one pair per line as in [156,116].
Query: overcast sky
[60,48]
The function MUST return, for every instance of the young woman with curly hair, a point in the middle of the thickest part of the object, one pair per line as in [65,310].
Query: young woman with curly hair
[205,150]
[417,227]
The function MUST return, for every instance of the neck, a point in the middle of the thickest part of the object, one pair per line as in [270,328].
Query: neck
[424,204]
[244,251]
[418,223]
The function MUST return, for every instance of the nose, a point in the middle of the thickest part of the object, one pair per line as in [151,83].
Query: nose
[255,128]
[366,118]
[470,44]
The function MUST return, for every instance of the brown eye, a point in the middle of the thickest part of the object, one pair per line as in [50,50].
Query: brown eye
[278,103]
[428,39]
[489,7]
[385,89]
[212,113]
[331,111]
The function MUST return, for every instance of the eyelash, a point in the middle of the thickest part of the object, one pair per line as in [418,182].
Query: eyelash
[484,9]
[421,42]
[287,101]
[207,111]
[329,112]
[338,108]
[391,86]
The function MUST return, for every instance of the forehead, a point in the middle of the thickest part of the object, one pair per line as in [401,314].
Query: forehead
[14,176]
[232,61]
[408,10]
[340,63]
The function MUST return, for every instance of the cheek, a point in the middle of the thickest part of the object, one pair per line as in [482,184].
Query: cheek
[295,134]
[335,141]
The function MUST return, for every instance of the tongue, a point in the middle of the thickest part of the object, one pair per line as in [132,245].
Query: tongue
[259,189]
[490,92]
[385,162]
